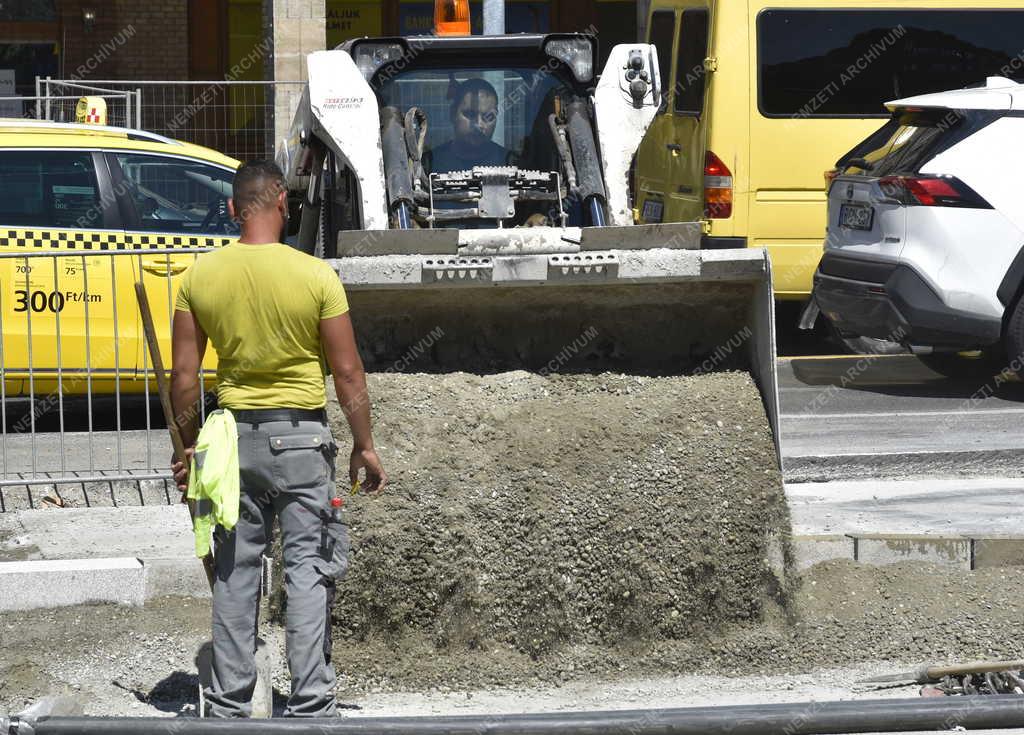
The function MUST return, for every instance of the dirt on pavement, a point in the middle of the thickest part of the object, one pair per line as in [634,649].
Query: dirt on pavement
[545,529]
[138,661]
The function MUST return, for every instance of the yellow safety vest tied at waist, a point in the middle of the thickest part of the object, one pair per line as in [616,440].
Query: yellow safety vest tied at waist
[213,480]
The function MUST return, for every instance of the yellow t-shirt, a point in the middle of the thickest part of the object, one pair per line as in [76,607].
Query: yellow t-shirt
[261,307]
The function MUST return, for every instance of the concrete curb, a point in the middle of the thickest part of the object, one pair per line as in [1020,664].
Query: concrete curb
[182,577]
[30,585]
[27,585]
[963,552]
[897,466]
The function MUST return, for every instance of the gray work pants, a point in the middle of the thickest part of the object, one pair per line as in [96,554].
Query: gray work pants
[287,470]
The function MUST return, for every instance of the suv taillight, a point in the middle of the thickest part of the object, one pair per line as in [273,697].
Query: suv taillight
[830,176]
[931,191]
[717,188]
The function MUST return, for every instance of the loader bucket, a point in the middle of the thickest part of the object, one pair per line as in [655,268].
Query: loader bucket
[639,300]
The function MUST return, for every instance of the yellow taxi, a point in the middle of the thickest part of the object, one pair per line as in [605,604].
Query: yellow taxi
[762,97]
[103,200]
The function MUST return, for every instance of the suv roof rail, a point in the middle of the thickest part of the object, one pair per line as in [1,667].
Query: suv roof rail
[131,133]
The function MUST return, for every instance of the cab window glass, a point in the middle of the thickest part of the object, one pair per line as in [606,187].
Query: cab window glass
[693,49]
[49,189]
[661,33]
[822,63]
[176,195]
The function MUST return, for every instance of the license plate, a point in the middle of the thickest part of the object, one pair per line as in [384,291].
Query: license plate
[856,216]
[653,211]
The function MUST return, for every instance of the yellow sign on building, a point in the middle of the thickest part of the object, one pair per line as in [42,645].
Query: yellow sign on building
[352,19]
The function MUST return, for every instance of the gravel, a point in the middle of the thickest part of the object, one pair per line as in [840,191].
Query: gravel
[542,530]
[139,661]
[535,520]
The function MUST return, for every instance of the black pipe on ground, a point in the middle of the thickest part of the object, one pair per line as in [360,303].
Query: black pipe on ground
[800,718]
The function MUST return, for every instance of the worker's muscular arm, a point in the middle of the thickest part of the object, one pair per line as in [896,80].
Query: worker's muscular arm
[339,344]
[188,345]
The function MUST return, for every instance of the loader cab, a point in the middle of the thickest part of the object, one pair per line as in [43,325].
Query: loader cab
[471,105]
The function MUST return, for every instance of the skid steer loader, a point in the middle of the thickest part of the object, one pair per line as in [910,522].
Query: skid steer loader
[516,237]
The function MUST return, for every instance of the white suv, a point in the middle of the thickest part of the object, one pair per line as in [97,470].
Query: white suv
[925,239]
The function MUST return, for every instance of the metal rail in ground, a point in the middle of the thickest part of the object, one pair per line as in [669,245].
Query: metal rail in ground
[798,718]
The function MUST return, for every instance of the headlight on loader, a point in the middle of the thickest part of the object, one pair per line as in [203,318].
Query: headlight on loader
[576,52]
[370,57]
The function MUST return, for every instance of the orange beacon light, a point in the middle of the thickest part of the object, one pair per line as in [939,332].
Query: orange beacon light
[451,17]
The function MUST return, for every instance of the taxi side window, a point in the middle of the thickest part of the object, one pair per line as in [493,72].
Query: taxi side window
[177,195]
[49,189]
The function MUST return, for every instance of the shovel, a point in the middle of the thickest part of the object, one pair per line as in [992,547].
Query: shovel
[262,698]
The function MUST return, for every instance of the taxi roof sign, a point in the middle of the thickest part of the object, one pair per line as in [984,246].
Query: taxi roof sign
[91,111]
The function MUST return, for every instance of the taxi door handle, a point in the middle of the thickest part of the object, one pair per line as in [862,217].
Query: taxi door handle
[163,267]
[675,148]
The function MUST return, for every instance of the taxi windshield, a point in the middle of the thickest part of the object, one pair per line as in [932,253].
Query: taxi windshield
[487,117]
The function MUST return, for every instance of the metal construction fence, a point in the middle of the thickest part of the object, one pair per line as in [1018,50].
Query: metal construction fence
[80,422]
[233,117]
[61,108]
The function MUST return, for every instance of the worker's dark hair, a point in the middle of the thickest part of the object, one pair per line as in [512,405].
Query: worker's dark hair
[474,85]
[256,186]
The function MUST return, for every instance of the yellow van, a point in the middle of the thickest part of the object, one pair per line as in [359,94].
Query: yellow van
[103,199]
[762,98]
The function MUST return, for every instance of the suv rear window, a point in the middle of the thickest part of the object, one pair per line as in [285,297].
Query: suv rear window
[49,189]
[834,63]
[911,139]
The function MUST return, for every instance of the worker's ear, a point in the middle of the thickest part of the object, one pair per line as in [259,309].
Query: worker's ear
[231,209]
[282,209]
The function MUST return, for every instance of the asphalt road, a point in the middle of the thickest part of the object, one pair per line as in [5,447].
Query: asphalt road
[870,417]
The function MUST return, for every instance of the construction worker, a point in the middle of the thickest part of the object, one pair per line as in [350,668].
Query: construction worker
[271,312]
[474,116]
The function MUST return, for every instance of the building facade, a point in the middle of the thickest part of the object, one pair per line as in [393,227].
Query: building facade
[239,41]
[205,39]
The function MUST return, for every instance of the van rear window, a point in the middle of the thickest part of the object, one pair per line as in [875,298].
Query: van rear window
[847,63]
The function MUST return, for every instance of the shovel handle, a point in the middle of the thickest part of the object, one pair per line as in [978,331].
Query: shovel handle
[936,673]
[165,402]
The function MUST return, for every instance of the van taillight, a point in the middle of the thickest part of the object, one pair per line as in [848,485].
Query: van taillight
[830,176]
[717,188]
[931,191]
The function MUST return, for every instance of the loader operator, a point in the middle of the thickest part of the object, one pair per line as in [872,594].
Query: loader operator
[474,116]
[269,311]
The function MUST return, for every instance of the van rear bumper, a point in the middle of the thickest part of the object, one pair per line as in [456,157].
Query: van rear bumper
[892,302]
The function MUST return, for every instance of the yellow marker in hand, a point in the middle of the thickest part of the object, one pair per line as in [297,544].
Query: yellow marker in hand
[355,488]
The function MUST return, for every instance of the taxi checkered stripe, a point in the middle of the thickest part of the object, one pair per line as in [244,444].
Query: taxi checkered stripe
[106,240]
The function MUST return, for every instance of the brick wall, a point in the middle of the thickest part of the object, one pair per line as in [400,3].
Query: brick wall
[130,39]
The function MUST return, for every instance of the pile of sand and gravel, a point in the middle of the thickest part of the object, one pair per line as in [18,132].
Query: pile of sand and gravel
[529,514]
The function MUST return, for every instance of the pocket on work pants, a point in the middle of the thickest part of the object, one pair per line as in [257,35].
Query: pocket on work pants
[334,548]
[300,460]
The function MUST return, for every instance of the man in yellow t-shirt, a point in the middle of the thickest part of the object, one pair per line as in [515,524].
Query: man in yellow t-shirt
[274,315]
